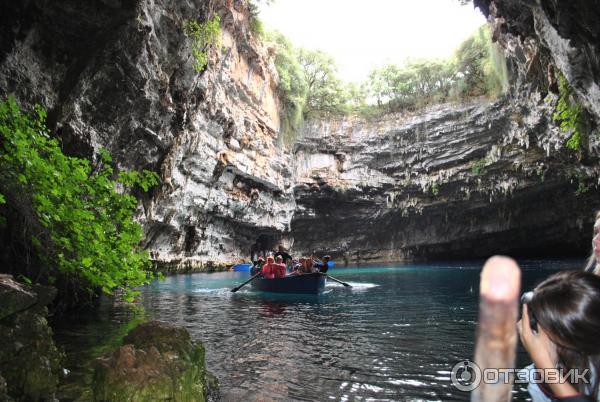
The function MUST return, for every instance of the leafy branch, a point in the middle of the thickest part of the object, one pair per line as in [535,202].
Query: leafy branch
[78,224]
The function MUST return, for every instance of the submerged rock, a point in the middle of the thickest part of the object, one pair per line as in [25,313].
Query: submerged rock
[157,362]
[29,359]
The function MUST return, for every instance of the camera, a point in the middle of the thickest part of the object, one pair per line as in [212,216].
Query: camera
[533,324]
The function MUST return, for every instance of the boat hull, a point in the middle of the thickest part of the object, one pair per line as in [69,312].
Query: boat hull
[300,284]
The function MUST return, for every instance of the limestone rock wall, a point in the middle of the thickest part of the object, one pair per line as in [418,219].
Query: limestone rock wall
[119,75]
[567,30]
[455,181]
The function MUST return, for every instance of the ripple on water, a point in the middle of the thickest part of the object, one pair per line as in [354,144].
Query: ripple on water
[395,335]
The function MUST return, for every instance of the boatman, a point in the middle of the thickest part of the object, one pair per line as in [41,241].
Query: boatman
[322,265]
[257,266]
[284,255]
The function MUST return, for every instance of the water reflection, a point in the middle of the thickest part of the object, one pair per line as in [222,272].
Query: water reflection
[394,336]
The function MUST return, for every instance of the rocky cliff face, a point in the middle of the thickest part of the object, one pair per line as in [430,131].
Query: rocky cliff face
[567,31]
[456,181]
[119,75]
[29,359]
[465,181]
[452,182]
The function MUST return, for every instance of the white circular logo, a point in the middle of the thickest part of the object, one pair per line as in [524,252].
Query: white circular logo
[466,376]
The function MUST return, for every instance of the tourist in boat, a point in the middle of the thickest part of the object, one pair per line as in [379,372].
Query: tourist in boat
[322,265]
[296,267]
[269,269]
[565,312]
[307,265]
[281,268]
[593,264]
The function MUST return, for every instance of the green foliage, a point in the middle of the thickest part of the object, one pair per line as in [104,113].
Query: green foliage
[309,85]
[203,35]
[582,188]
[478,167]
[582,185]
[25,279]
[477,69]
[292,84]
[76,221]
[325,93]
[256,25]
[481,67]
[435,189]
[569,114]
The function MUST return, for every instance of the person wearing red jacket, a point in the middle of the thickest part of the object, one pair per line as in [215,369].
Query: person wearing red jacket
[269,269]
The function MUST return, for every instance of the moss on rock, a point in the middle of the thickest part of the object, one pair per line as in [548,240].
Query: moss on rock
[157,362]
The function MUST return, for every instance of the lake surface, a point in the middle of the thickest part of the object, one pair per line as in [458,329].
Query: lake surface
[395,335]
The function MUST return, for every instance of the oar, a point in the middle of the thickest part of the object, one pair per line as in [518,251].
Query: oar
[338,281]
[245,283]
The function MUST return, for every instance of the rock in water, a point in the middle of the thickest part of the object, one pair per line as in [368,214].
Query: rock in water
[29,359]
[157,362]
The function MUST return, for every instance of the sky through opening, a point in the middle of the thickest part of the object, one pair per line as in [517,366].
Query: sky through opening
[363,35]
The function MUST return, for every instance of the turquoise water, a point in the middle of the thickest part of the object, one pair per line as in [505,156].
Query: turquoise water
[395,335]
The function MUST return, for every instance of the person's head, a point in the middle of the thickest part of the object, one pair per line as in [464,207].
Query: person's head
[279,259]
[261,259]
[326,259]
[270,260]
[567,308]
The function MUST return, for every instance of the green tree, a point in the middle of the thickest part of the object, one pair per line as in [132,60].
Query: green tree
[481,66]
[325,92]
[67,218]
[478,68]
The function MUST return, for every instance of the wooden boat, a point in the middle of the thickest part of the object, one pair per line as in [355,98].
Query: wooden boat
[307,283]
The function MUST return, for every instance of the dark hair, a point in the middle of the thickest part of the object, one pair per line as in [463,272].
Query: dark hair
[567,307]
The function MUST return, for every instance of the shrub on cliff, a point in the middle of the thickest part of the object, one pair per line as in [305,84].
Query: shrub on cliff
[292,84]
[65,222]
[203,36]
